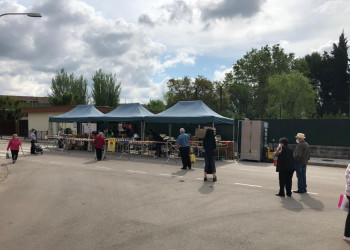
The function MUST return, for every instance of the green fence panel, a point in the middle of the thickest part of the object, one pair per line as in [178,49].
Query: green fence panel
[325,132]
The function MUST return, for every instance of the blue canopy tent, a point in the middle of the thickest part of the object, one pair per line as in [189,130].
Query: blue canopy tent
[81,113]
[131,112]
[195,112]
[192,112]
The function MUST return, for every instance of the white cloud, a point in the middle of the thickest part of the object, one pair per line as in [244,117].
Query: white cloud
[219,75]
[144,40]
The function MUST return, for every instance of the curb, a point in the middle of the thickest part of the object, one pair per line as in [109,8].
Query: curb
[332,165]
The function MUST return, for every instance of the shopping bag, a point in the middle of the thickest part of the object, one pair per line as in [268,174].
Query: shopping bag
[7,155]
[193,159]
[343,203]
[275,158]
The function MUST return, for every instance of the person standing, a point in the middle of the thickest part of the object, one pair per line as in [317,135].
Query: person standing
[99,144]
[60,138]
[301,157]
[209,144]
[183,143]
[158,142]
[14,145]
[32,141]
[285,167]
[347,192]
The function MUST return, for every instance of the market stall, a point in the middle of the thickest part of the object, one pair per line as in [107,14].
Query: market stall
[195,113]
[128,114]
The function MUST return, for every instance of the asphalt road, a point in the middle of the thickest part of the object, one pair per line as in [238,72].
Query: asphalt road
[66,200]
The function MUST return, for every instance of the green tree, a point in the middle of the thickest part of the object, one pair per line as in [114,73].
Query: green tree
[239,95]
[9,108]
[291,96]
[178,90]
[205,90]
[329,73]
[255,68]
[340,76]
[105,90]
[188,90]
[68,89]
[155,106]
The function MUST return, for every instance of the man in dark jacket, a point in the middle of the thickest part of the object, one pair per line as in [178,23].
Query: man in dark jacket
[285,167]
[301,157]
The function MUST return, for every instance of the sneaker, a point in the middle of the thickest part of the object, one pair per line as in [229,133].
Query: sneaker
[184,168]
[205,179]
[282,195]
[214,179]
[347,239]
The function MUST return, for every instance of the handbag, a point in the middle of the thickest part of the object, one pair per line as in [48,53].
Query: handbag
[343,203]
[7,155]
[193,159]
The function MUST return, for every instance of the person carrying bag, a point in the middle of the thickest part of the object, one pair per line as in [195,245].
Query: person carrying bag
[14,145]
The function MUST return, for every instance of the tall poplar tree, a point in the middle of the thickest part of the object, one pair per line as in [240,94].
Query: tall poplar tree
[105,90]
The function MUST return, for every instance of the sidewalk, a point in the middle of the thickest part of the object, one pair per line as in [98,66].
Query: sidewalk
[339,163]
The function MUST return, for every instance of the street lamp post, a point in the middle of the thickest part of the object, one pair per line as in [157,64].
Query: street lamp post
[26,14]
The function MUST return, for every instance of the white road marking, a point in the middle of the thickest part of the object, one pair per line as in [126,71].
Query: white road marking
[53,162]
[249,185]
[133,171]
[104,168]
[252,170]
[312,193]
[199,178]
[172,175]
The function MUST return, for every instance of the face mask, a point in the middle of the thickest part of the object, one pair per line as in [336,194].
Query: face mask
[16,138]
[297,140]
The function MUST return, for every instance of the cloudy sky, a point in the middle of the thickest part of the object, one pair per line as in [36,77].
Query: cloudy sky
[147,42]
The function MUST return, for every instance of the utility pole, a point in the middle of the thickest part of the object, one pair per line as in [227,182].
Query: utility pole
[220,98]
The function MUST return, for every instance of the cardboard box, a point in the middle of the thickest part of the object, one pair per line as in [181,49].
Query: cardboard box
[200,133]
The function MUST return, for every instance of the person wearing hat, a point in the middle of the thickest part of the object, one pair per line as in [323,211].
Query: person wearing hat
[14,145]
[301,157]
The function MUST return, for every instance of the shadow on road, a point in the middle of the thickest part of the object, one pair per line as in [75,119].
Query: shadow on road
[181,172]
[91,162]
[207,187]
[312,203]
[291,204]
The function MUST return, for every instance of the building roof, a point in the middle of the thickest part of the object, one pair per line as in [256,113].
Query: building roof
[59,109]
[29,99]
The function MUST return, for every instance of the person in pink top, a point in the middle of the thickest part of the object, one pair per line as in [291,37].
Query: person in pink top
[347,192]
[14,145]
